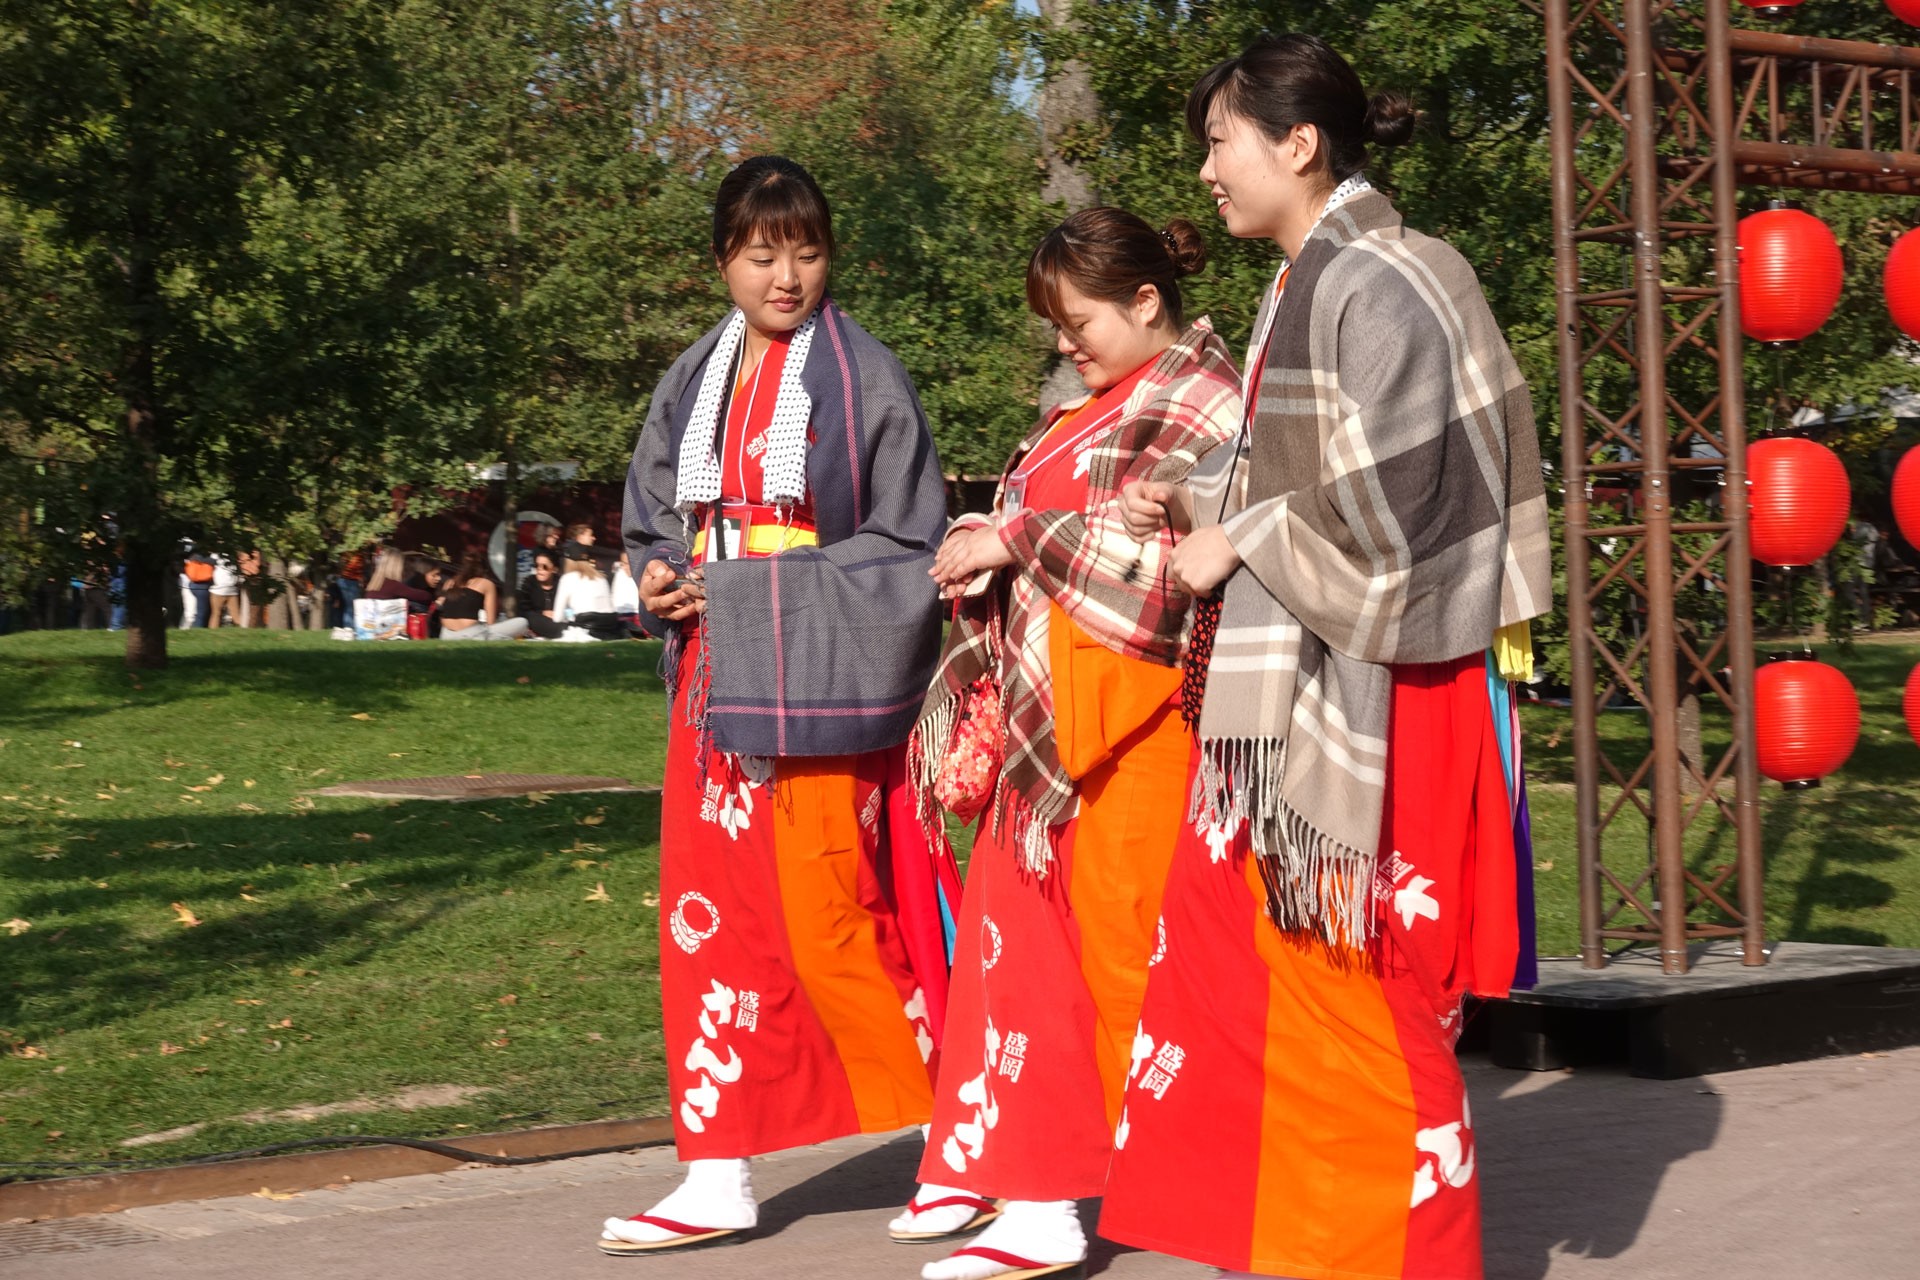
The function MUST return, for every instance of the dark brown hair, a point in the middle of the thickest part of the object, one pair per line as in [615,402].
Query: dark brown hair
[1279,82]
[773,198]
[1108,254]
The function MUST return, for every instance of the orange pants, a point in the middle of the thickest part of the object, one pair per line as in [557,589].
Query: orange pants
[791,1010]
[1048,975]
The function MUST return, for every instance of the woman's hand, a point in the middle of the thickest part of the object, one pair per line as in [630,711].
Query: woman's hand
[1148,506]
[659,597]
[965,553]
[1202,561]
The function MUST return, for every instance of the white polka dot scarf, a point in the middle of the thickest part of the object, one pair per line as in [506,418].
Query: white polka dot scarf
[784,470]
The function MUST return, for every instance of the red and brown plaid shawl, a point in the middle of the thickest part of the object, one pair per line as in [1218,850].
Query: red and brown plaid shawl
[1116,589]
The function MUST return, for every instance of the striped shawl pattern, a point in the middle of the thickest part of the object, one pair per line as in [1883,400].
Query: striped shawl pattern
[1116,589]
[1388,507]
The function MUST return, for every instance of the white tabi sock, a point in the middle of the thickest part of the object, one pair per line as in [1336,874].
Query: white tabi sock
[717,1195]
[1047,1232]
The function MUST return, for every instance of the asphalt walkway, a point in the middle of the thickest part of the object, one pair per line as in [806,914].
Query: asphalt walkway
[1805,1170]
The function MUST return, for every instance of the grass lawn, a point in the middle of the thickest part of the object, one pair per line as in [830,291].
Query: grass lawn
[346,949]
[349,950]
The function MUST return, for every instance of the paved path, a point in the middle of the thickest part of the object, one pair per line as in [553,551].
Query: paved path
[1807,1170]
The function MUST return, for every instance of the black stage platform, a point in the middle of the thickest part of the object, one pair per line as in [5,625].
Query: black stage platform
[1811,1001]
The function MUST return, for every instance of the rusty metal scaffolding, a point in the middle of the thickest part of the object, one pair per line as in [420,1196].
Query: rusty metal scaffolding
[1661,110]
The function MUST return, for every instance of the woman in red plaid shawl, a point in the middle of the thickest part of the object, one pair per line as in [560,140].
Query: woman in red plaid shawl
[1066,647]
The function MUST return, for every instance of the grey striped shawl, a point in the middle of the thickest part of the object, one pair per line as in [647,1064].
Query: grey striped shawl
[1388,507]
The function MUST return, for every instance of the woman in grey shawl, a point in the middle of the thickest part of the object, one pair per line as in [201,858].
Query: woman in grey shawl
[784,506]
[1348,870]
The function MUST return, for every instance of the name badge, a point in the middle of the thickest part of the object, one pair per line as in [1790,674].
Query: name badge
[728,543]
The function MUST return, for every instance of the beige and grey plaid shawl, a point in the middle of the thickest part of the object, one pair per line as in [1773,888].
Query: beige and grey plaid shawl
[1388,507]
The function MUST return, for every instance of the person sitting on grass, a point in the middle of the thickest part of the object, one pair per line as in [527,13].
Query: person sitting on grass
[535,597]
[399,575]
[626,598]
[470,603]
[584,594]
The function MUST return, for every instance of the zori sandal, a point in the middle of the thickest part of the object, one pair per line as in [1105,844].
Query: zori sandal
[684,1237]
[985,1211]
[1023,1268]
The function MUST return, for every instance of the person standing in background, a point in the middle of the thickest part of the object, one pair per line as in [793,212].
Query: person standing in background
[223,592]
[196,581]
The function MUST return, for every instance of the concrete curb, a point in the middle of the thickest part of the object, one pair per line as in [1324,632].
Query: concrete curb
[304,1171]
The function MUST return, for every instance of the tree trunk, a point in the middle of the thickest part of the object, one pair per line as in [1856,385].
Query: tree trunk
[150,541]
[149,576]
[1068,105]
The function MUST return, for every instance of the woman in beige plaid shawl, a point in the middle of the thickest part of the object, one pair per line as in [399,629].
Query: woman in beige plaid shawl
[1073,624]
[1348,870]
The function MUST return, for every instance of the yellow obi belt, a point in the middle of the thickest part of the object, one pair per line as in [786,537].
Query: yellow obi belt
[744,530]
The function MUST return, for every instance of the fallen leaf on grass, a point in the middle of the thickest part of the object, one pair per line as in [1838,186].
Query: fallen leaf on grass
[166,1048]
[17,926]
[175,764]
[249,897]
[523,679]
[359,715]
[55,1133]
[1543,866]
[500,1043]
[362,835]
[284,1022]
[581,846]
[46,857]
[171,844]
[182,916]
[536,797]
[595,1035]
[301,802]
[509,999]
[249,808]
[199,788]
[650,900]
[599,893]
[102,795]
[593,820]
[27,1051]
[249,1001]
[489,817]
[247,782]
[216,779]
[265,1193]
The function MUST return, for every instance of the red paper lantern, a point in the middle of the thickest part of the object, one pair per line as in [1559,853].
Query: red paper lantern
[1906,496]
[1806,720]
[1773,8]
[1910,705]
[1790,274]
[1902,283]
[1797,500]
[1907,11]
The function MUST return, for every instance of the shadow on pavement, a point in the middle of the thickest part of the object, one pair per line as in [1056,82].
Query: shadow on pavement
[1570,1162]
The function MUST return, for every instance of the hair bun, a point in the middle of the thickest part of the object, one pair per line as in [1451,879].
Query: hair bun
[1390,119]
[1185,247]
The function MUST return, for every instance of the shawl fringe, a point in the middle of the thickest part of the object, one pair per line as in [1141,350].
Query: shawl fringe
[1315,884]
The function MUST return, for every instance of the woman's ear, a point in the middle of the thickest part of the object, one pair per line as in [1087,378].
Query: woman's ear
[1147,308]
[1302,148]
